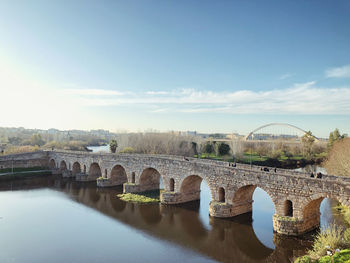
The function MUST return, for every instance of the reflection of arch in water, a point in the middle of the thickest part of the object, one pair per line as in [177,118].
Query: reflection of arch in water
[117,204]
[238,235]
[93,194]
[243,204]
[227,241]
[150,213]
[192,224]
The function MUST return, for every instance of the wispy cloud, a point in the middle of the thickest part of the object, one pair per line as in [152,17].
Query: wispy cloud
[286,76]
[157,92]
[302,98]
[93,92]
[340,72]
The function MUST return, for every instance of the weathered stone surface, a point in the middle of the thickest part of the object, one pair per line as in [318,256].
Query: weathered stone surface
[231,187]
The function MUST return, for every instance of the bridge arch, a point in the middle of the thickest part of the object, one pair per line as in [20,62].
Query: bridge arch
[222,197]
[190,187]
[118,174]
[94,171]
[133,177]
[149,179]
[171,185]
[276,124]
[63,165]
[242,200]
[52,164]
[76,168]
[288,208]
[191,184]
[311,206]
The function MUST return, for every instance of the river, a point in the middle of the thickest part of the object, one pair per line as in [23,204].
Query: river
[59,220]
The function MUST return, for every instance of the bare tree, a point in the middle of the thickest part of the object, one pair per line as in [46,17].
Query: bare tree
[338,161]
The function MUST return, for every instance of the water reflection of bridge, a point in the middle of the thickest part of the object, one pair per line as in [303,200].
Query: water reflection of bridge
[226,241]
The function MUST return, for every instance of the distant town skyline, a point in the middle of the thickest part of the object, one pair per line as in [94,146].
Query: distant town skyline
[207,66]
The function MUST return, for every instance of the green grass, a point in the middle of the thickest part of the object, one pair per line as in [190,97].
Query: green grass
[342,257]
[247,158]
[143,197]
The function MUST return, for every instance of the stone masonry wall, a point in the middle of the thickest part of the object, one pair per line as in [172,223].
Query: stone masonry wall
[25,160]
[238,183]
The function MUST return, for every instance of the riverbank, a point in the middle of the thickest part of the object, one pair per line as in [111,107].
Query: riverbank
[341,257]
[9,174]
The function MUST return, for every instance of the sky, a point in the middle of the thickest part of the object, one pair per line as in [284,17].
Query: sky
[209,66]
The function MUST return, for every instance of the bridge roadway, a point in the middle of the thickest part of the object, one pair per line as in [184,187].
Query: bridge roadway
[296,196]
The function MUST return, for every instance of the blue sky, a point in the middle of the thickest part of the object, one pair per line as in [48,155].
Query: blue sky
[210,66]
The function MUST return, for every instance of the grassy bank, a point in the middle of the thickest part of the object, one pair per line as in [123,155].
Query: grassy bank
[143,197]
[329,240]
[342,257]
[281,162]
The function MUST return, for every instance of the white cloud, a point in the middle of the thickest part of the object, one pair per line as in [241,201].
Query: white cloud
[93,92]
[285,76]
[301,98]
[340,72]
[157,92]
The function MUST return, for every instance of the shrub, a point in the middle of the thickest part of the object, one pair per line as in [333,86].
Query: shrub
[328,237]
[127,150]
[224,149]
[20,149]
[304,259]
[113,145]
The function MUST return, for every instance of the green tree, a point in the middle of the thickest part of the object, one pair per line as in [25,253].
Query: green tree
[224,149]
[330,140]
[113,145]
[208,148]
[334,137]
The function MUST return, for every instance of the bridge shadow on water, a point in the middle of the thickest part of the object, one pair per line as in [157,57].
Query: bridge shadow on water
[227,240]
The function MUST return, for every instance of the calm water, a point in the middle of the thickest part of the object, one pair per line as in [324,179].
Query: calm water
[104,148]
[55,220]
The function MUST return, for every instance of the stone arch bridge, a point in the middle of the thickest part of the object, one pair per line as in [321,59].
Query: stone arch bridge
[296,196]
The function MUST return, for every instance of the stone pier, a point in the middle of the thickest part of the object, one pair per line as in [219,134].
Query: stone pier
[296,195]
